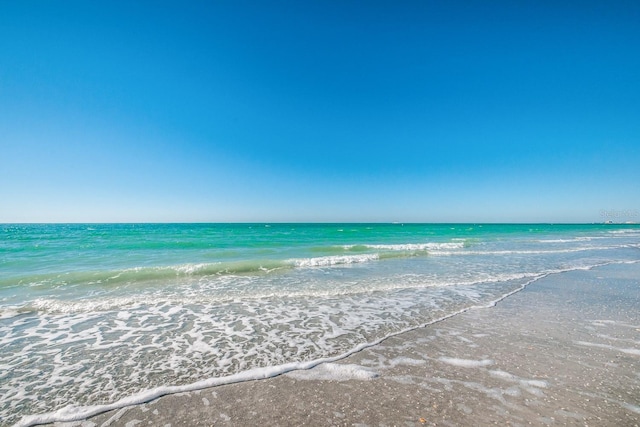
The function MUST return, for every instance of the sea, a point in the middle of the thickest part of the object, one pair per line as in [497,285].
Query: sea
[96,317]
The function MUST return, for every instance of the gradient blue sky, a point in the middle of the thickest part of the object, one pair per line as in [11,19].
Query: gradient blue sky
[319,111]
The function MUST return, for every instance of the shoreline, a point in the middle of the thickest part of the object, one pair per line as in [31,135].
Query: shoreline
[449,372]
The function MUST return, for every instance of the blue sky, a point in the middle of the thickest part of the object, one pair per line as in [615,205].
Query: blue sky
[319,111]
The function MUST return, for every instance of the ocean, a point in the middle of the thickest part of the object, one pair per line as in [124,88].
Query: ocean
[100,316]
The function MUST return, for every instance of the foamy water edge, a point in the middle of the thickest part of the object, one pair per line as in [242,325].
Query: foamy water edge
[77,413]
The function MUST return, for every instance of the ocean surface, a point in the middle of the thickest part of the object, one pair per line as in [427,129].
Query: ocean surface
[99,316]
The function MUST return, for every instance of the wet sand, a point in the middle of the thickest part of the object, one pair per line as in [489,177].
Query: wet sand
[564,351]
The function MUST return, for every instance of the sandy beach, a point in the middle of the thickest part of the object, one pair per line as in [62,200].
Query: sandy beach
[564,351]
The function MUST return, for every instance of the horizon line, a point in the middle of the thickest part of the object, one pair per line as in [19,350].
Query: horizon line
[321,222]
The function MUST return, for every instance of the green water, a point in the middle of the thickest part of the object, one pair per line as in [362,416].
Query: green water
[94,313]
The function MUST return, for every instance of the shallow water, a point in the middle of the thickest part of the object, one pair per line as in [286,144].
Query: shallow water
[91,314]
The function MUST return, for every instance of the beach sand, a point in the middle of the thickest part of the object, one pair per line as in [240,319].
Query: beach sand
[564,351]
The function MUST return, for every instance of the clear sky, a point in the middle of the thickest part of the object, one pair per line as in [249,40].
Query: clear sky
[319,111]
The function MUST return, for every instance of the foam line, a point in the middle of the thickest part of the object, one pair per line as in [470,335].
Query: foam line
[76,413]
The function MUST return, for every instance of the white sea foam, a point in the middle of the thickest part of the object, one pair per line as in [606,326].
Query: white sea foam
[406,361]
[626,231]
[525,383]
[9,312]
[572,240]
[536,383]
[228,289]
[75,413]
[418,246]
[191,268]
[529,251]
[187,349]
[335,372]
[53,357]
[333,260]
[504,375]
[466,363]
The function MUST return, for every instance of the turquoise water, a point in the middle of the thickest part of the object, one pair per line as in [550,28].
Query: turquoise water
[94,313]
